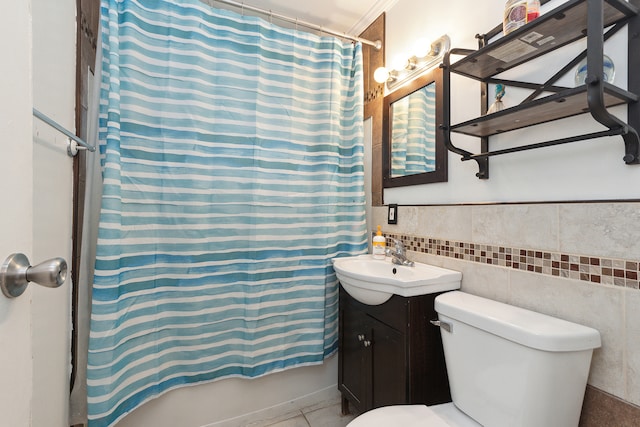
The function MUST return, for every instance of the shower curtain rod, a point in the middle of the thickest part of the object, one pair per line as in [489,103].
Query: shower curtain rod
[377,44]
[60,128]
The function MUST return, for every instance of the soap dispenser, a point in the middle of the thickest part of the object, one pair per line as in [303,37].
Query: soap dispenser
[379,245]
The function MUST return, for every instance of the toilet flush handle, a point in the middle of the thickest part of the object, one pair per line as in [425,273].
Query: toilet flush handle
[444,325]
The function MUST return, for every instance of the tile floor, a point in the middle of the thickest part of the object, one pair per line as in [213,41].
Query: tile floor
[323,414]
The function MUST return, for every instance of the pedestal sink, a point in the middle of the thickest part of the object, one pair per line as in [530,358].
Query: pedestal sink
[373,282]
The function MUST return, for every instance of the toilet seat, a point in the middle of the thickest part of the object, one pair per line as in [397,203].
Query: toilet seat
[444,415]
[399,416]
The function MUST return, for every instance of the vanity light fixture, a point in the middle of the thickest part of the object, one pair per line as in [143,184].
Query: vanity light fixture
[414,65]
[382,75]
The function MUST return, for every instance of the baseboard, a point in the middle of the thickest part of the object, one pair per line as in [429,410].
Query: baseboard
[601,409]
[283,410]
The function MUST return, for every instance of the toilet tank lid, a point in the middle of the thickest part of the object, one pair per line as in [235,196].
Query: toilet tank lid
[517,324]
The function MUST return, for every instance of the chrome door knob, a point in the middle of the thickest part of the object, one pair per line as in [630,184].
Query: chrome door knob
[16,272]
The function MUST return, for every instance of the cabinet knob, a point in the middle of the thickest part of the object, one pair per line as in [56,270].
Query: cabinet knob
[367,343]
[361,337]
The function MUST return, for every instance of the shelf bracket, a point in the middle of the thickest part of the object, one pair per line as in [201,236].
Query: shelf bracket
[594,81]
[483,162]
[631,147]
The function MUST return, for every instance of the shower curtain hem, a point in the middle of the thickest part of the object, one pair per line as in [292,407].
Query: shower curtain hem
[212,380]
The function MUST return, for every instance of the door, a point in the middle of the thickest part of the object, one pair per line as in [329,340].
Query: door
[372,371]
[388,366]
[16,210]
[53,61]
[354,371]
[37,39]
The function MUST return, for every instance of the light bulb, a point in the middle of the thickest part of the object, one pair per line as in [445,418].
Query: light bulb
[400,61]
[421,48]
[381,75]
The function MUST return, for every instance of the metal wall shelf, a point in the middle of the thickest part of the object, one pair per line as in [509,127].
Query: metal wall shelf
[553,107]
[569,22]
[550,31]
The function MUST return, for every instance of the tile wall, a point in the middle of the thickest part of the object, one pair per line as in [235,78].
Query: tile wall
[618,272]
[576,261]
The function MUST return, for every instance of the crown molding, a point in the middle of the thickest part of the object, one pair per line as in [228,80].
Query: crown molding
[376,10]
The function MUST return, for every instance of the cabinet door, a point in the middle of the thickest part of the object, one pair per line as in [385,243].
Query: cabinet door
[388,365]
[355,364]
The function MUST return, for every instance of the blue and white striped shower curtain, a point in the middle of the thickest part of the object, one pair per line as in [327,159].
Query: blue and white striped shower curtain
[233,173]
[413,133]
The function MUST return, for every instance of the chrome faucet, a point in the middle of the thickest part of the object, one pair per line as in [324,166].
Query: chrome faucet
[399,253]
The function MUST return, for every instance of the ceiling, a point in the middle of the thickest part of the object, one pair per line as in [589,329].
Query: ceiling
[345,16]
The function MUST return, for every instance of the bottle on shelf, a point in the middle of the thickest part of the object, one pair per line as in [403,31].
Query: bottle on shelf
[515,15]
[518,12]
[533,9]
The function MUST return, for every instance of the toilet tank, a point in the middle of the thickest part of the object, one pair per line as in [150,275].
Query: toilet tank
[511,367]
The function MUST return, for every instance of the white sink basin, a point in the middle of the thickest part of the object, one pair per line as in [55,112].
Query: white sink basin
[373,281]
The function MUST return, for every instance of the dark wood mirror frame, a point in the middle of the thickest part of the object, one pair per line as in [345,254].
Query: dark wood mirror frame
[440,173]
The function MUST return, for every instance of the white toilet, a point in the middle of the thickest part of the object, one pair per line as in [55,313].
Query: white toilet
[507,367]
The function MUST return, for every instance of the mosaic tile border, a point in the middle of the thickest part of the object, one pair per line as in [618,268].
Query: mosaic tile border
[608,271]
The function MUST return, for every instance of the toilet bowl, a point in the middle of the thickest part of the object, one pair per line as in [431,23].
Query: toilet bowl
[507,367]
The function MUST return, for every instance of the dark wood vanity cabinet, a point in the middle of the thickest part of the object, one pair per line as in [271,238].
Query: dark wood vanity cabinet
[390,353]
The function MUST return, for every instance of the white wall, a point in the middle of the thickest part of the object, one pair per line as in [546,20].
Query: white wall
[35,181]
[16,369]
[587,170]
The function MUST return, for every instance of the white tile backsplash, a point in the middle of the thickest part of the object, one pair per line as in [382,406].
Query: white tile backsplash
[603,229]
[580,302]
[632,350]
[450,222]
[608,231]
[523,226]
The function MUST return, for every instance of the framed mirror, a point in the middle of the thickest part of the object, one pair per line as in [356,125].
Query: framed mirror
[413,150]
